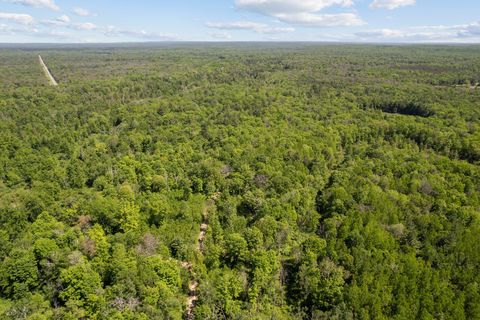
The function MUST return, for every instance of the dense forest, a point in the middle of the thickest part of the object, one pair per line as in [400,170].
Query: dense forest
[329,182]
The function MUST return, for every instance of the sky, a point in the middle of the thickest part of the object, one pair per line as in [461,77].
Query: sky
[93,21]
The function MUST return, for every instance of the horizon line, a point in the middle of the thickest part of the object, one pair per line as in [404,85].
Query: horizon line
[240,42]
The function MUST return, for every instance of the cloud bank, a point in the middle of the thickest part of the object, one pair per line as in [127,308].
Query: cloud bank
[81,12]
[17,17]
[391,4]
[48,4]
[247,25]
[305,12]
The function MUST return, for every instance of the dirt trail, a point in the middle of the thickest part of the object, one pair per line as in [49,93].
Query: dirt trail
[49,76]
[192,290]
[193,284]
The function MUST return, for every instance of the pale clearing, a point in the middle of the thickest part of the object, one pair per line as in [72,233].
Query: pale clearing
[51,79]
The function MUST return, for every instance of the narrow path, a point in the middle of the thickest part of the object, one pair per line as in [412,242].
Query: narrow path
[192,291]
[193,284]
[49,76]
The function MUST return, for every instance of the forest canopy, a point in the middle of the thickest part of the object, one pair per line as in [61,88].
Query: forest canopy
[282,181]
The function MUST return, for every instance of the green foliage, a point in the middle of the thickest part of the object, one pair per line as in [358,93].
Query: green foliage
[236,250]
[19,273]
[155,269]
[332,182]
[129,218]
[81,287]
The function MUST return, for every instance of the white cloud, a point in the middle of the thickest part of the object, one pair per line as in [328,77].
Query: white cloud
[82,12]
[112,31]
[471,30]
[17,17]
[6,30]
[322,20]
[51,34]
[49,4]
[248,25]
[474,27]
[220,35]
[274,7]
[57,29]
[49,29]
[64,18]
[304,12]
[468,33]
[391,4]
[382,34]
[462,32]
[37,32]
[84,26]
[65,22]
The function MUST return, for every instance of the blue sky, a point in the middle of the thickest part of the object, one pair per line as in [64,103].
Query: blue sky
[240,20]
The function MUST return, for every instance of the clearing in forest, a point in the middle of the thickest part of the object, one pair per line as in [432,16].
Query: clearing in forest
[49,76]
